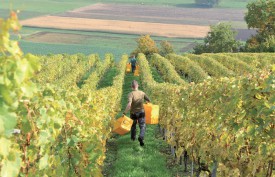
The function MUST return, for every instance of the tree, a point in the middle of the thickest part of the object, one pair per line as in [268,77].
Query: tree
[207,3]
[221,38]
[261,15]
[146,45]
[166,48]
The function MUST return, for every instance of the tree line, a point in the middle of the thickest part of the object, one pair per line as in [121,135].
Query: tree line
[260,15]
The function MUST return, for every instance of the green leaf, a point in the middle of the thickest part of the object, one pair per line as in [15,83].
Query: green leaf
[21,70]
[70,142]
[258,96]
[2,127]
[29,89]
[242,115]
[43,162]
[33,61]
[57,125]
[7,118]
[26,126]
[263,149]
[2,79]
[267,105]
[43,137]
[5,146]
[11,168]
[6,95]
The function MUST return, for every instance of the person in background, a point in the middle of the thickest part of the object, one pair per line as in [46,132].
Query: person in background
[133,63]
[135,105]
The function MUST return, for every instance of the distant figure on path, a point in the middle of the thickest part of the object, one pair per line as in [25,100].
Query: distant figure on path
[133,63]
[135,105]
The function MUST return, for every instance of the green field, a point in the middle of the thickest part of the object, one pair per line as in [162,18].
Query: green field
[48,6]
[34,8]
[95,42]
[43,6]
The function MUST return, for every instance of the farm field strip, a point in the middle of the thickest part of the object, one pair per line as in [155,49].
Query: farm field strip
[117,26]
[175,15]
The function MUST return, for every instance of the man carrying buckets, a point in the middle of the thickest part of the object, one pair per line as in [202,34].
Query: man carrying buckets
[135,105]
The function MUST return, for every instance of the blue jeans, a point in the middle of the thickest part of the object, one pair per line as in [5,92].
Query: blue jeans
[133,68]
[140,118]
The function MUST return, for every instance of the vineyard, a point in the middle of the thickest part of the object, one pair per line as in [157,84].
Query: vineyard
[223,116]
[56,118]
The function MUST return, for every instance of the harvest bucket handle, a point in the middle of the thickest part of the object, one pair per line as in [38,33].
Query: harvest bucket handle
[125,121]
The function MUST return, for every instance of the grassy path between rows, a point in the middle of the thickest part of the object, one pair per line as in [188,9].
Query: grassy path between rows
[126,158]
[107,79]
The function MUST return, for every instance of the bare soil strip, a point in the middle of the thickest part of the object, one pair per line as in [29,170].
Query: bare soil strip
[118,26]
[146,11]
[50,37]
[159,14]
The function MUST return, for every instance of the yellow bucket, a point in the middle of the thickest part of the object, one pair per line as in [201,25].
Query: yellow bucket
[123,125]
[136,73]
[151,113]
[128,67]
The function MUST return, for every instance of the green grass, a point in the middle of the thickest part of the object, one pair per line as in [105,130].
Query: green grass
[4,13]
[127,158]
[113,37]
[48,48]
[44,6]
[35,8]
[57,6]
[136,161]
[96,42]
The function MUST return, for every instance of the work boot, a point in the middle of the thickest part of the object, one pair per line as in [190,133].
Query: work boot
[141,143]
